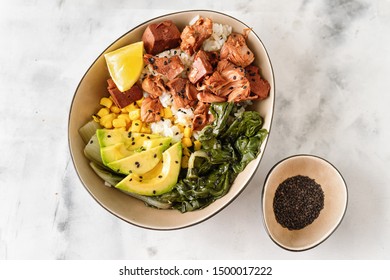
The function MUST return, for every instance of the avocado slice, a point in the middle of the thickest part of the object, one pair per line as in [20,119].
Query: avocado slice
[116,144]
[138,163]
[114,152]
[132,140]
[152,185]
[118,151]
[155,142]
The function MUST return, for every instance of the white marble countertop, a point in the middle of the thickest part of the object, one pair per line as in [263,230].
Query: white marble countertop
[332,64]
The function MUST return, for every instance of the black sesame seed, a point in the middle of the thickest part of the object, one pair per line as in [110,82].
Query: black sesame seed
[91,142]
[142,135]
[148,137]
[132,143]
[297,202]
[131,179]
[151,60]
[160,176]
[108,136]
[154,192]
[234,77]
[176,161]
[129,135]
[165,62]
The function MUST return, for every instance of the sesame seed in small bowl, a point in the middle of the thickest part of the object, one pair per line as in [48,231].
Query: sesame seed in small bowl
[304,200]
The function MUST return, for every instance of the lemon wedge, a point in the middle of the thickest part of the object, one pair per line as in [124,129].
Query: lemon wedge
[125,65]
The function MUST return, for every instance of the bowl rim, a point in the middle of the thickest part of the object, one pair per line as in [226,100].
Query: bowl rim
[301,155]
[206,217]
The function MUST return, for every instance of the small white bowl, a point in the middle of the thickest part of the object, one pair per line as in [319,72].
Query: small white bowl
[335,201]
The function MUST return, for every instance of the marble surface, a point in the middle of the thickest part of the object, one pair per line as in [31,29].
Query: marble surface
[331,61]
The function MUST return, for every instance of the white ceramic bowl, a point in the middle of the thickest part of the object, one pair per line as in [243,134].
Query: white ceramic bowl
[86,102]
[335,201]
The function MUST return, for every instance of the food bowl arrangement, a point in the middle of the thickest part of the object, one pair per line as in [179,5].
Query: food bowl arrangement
[93,88]
[304,200]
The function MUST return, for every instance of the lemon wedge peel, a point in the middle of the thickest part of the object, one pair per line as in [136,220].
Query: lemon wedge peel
[125,65]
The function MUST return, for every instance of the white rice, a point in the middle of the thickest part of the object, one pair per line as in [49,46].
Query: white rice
[192,21]
[218,38]
[167,129]
[183,116]
[166,99]
[220,34]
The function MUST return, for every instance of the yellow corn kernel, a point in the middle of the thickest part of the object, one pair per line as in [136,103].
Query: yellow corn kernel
[139,102]
[115,109]
[106,102]
[197,145]
[187,132]
[186,142]
[146,129]
[186,151]
[106,121]
[103,112]
[168,113]
[135,114]
[118,123]
[125,117]
[184,161]
[131,107]
[96,118]
[136,126]
[181,127]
